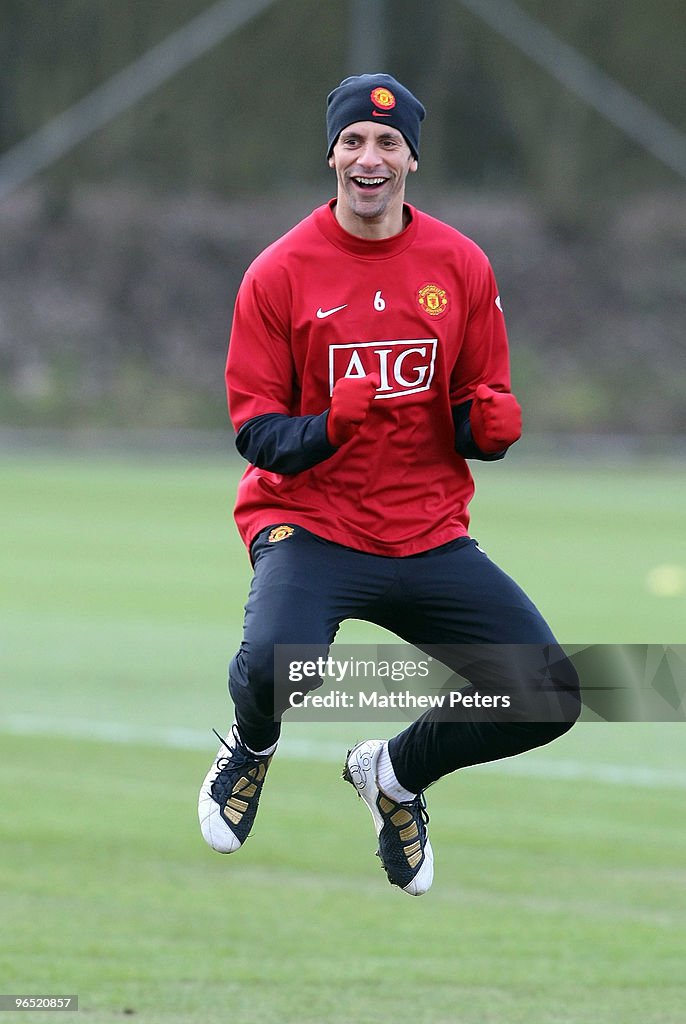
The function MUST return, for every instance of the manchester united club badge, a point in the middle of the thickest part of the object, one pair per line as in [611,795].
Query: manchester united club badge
[383,98]
[433,300]
[279,533]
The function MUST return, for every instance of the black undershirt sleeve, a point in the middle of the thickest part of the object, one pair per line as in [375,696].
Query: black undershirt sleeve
[290,444]
[464,442]
[285,444]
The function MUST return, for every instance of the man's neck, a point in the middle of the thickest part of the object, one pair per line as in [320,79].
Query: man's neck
[374,229]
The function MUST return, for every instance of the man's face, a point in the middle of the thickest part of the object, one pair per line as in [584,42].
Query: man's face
[371,162]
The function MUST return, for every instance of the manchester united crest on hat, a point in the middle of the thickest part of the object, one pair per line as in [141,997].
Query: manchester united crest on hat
[391,103]
[383,98]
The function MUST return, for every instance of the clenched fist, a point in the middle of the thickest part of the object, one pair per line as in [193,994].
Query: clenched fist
[495,418]
[350,402]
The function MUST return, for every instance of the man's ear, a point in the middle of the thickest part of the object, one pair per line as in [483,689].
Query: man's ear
[330,162]
[414,164]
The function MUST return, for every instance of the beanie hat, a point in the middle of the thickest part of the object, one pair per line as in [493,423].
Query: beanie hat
[378,98]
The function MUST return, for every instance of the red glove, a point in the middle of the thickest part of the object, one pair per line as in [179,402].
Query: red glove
[350,402]
[495,419]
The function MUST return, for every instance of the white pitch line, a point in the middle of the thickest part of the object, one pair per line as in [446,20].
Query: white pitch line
[179,738]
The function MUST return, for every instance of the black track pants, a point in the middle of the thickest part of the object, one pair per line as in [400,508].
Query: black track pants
[303,588]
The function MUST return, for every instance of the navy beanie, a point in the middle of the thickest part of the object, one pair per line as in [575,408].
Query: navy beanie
[378,98]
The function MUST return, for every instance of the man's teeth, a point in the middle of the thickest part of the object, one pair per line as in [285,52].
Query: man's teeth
[370,181]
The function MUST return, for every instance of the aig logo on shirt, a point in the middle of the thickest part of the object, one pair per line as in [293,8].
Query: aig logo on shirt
[404,367]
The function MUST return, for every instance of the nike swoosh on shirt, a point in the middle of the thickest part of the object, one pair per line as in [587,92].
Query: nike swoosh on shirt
[321,313]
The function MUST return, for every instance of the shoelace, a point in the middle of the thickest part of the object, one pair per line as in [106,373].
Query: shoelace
[418,806]
[237,759]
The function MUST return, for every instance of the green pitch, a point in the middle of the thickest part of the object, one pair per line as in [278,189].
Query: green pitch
[560,880]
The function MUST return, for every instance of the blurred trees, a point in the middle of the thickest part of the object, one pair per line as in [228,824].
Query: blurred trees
[115,306]
[249,116]
[118,265]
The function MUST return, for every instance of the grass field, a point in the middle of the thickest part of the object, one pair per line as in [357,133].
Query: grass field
[560,881]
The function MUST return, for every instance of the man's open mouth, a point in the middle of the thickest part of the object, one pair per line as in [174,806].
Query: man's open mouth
[369,183]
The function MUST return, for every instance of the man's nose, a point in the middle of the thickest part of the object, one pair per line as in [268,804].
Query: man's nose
[369,156]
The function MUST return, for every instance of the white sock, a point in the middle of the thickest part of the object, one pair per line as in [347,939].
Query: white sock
[264,753]
[387,781]
[257,753]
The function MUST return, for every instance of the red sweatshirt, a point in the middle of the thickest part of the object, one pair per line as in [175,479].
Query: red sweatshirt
[420,309]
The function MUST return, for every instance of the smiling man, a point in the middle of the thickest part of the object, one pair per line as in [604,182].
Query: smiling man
[368,362]
[373,156]
[371,163]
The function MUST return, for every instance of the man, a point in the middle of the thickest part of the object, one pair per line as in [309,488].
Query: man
[368,361]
